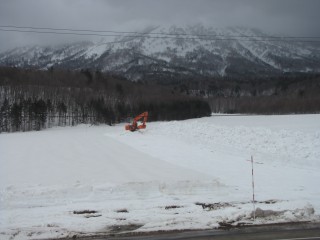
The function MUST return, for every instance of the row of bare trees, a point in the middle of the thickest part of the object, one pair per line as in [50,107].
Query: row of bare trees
[35,100]
[290,93]
[265,104]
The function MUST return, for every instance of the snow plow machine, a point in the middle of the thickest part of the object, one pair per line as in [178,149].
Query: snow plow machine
[134,126]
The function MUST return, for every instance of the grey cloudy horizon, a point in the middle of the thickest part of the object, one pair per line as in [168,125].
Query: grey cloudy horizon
[284,17]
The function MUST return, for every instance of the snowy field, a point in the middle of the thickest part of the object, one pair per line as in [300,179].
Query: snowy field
[193,174]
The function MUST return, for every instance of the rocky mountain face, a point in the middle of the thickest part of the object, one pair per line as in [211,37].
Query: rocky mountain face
[194,51]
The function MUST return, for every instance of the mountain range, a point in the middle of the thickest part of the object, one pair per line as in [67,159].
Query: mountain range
[176,52]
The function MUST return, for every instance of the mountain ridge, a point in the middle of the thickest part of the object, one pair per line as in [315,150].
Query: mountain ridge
[176,52]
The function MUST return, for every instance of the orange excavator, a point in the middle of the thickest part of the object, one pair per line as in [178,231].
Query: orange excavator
[134,126]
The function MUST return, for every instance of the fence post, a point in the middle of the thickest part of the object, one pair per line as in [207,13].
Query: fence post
[253,201]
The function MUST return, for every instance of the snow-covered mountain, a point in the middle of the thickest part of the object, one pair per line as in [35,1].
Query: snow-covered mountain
[190,51]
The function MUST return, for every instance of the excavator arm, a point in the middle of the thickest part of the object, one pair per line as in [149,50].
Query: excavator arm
[134,126]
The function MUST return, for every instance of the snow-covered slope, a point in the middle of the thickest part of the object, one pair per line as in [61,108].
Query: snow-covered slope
[194,50]
[193,174]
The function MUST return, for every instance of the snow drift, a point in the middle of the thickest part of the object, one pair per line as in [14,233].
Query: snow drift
[193,174]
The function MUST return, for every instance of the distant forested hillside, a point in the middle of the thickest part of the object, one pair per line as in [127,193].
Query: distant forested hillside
[288,93]
[34,100]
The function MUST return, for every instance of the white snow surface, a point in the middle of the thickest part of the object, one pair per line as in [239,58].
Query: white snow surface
[158,178]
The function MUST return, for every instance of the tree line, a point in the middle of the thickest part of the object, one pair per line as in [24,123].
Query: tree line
[288,93]
[35,100]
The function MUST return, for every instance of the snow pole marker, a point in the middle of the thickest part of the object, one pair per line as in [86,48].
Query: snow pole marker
[253,201]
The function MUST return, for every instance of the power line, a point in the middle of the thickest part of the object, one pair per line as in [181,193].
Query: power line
[76,31]
[63,33]
[60,33]
[274,39]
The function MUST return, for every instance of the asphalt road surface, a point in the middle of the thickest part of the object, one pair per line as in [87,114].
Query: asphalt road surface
[276,232]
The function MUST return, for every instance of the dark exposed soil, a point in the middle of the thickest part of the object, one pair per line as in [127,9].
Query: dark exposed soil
[172,207]
[122,210]
[85,212]
[214,206]
[116,229]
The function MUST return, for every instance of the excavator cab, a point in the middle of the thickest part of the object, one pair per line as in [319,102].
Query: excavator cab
[134,126]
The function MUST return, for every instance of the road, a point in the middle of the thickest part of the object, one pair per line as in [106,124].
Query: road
[283,232]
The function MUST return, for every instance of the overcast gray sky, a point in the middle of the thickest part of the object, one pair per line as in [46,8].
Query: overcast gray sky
[285,17]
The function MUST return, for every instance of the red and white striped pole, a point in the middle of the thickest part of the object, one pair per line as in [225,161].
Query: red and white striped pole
[253,201]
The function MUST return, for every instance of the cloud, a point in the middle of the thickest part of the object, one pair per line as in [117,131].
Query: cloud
[286,17]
